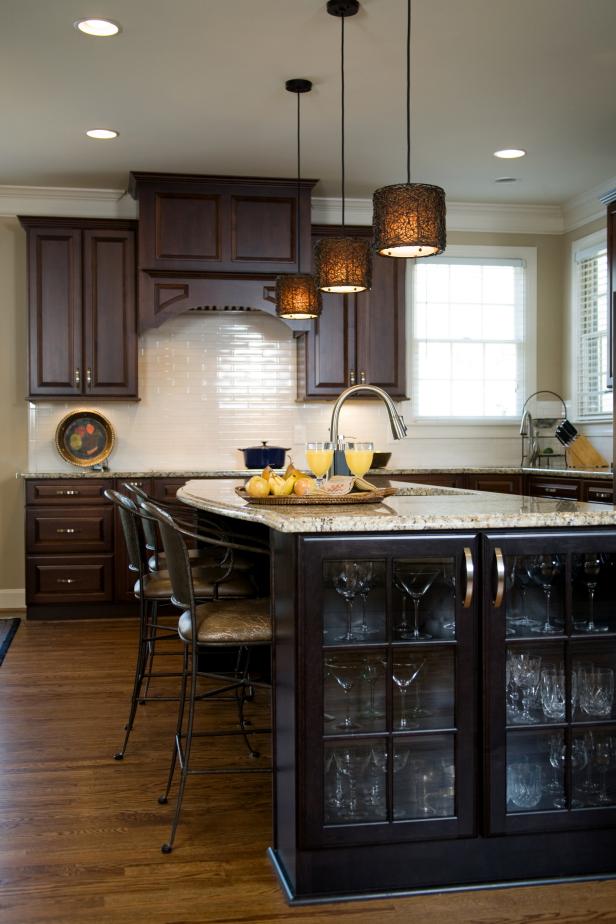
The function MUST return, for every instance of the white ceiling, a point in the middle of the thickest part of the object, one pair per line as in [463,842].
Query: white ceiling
[198,86]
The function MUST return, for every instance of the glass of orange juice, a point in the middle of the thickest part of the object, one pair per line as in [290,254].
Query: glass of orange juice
[359,457]
[319,458]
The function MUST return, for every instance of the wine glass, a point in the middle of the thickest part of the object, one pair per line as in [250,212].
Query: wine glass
[415,583]
[365,578]
[589,569]
[347,583]
[557,757]
[370,672]
[403,675]
[359,457]
[543,571]
[345,674]
[319,458]
[605,757]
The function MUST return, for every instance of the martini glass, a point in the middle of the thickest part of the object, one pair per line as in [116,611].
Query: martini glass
[404,673]
[415,584]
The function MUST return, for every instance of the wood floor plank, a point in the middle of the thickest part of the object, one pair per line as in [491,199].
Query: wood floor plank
[80,833]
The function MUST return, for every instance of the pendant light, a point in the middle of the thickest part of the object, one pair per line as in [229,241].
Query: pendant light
[409,218]
[342,264]
[297,296]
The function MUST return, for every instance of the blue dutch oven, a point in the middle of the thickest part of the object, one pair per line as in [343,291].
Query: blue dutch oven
[264,455]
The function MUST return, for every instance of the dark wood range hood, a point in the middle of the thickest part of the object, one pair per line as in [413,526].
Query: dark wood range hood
[217,242]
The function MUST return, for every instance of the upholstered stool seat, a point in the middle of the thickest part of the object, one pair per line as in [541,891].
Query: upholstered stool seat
[229,622]
[208,582]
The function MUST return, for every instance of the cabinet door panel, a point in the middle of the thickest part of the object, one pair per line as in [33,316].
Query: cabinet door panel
[67,491]
[544,486]
[501,484]
[381,325]
[597,492]
[54,279]
[110,324]
[329,349]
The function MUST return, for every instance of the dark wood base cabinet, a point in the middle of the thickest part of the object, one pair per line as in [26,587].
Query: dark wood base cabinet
[451,723]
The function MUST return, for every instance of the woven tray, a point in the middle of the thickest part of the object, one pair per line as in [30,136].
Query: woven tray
[293,500]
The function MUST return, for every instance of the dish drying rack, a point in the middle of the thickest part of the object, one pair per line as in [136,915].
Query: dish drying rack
[540,447]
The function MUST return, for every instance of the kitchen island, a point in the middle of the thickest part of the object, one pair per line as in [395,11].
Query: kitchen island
[443,690]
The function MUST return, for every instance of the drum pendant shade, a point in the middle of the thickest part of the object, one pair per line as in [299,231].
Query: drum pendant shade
[342,264]
[409,220]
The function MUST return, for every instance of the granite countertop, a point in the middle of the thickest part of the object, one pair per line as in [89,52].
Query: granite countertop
[386,472]
[414,508]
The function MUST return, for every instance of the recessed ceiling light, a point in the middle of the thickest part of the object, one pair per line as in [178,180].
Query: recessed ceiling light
[506,179]
[101,28]
[510,153]
[102,133]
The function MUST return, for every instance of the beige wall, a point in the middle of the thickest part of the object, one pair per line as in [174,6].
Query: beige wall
[13,407]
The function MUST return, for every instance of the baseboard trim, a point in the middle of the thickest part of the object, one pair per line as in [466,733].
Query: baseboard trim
[12,601]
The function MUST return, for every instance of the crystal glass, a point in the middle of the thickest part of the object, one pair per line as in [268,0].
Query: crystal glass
[524,785]
[525,674]
[359,457]
[553,692]
[415,583]
[596,692]
[319,458]
[588,568]
[543,570]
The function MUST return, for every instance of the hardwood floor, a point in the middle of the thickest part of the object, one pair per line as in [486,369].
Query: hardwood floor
[81,833]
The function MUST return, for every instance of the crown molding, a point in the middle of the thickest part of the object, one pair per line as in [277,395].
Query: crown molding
[60,201]
[487,217]
[588,206]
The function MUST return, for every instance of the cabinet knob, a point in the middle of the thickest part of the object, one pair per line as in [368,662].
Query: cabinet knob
[362,378]
[88,378]
[352,378]
[470,578]
[66,580]
[77,377]
[500,579]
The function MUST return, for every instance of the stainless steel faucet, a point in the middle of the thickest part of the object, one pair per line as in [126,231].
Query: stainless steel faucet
[398,427]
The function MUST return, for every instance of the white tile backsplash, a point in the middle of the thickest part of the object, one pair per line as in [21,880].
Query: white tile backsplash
[212,383]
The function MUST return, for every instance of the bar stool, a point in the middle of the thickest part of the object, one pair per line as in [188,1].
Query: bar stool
[218,623]
[153,589]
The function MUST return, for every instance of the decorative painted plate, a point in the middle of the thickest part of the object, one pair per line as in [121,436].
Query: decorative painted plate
[84,438]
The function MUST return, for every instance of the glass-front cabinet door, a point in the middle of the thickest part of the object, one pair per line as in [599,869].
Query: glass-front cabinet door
[389,665]
[550,654]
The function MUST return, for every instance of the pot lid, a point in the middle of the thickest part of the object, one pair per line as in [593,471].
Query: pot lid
[264,445]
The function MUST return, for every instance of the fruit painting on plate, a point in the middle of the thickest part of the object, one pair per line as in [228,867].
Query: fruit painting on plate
[84,438]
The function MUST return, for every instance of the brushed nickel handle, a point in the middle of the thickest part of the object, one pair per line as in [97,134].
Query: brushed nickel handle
[500,574]
[550,490]
[470,578]
[68,492]
[77,377]
[88,378]
[352,378]
[605,494]
[66,580]
[69,531]
[362,378]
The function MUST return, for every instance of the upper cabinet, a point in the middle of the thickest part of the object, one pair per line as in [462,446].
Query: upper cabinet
[82,308]
[216,241]
[611,291]
[358,339]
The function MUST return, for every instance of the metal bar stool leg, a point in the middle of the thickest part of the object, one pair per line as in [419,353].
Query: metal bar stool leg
[151,649]
[178,728]
[139,669]
[168,846]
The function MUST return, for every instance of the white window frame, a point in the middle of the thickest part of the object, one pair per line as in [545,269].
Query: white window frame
[490,252]
[596,240]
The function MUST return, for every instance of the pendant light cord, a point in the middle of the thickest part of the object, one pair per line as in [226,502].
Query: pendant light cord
[408,91]
[299,225]
[342,108]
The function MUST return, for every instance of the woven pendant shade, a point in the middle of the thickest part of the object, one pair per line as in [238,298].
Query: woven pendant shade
[409,220]
[342,264]
[297,297]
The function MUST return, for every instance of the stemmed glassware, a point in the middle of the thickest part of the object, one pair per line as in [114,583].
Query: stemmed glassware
[523,674]
[557,756]
[404,673]
[345,675]
[589,569]
[365,583]
[414,583]
[605,758]
[543,570]
[347,583]
[370,672]
[319,458]
[358,457]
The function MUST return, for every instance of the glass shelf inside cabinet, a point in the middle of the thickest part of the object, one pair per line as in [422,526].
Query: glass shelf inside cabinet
[593,577]
[534,594]
[424,599]
[354,601]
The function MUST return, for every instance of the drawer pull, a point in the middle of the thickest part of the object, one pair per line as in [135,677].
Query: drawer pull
[362,378]
[605,494]
[89,378]
[352,378]
[77,378]
[69,531]
[550,490]
[66,580]
[500,574]
[470,578]
[67,492]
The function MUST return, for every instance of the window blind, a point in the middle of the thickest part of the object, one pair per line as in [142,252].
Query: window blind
[468,337]
[593,397]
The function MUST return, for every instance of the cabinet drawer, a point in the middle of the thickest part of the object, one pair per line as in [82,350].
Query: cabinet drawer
[67,491]
[554,487]
[62,530]
[80,579]
[598,492]
[144,483]
[502,484]
[165,489]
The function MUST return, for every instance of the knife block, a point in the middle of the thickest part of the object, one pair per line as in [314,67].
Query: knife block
[582,454]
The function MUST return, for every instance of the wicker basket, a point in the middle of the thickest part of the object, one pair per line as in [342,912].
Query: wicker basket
[293,500]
